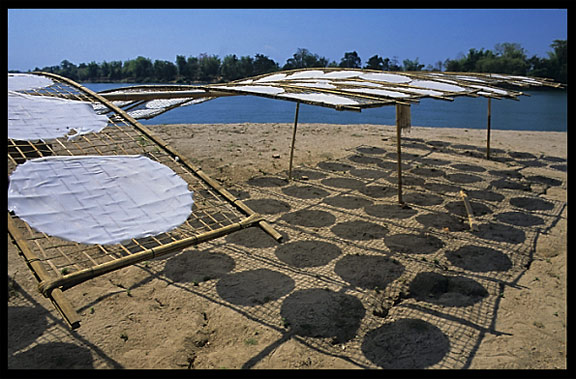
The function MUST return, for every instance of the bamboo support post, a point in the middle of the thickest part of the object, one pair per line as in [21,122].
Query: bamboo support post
[488,126]
[469,211]
[293,141]
[403,121]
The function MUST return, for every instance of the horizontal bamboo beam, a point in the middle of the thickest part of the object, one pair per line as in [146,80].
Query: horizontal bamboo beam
[48,286]
[153,95]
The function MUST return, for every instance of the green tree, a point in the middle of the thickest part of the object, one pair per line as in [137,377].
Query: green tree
[165,71]
[558,61]
[350,60]
[263,65]
[305,59]
[412,65]
[140,69]
[69,70]
[208,67]
[375,63]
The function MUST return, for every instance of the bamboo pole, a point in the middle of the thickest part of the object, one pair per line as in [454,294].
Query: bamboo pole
[488,126]
[471,220]
[293,141]
[70,280]
[61,303]
[399,151]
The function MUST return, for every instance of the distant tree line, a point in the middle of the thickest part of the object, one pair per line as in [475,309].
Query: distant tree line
[506,58]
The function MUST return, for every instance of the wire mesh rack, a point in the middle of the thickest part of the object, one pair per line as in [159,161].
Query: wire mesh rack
[60,264]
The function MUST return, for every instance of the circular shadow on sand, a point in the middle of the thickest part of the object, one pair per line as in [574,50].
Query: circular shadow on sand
[544,180]
[267,181]
[405,344]
[53,355]
[393,165]
[533,163]
[427,172]
[268,206]
[252,237]
[463,178]
[443,221]
[366,173]
[305,192]
[239,194]
[307,174]
[368,271]
[359,230]
[508,174]
[559,167]
[521,155]
[459,209]
[347,202]
[435,161]
[479,259]
[307,253]
[343,183]
[410,180]
[468,167]
[412,243]
[441,188]
[500,233]
[370,150]
[377,191]
[309,218]
[393,211]
[519,219]
[194,266]
[323,313]
[422,199]
[254,287]
[356,158]
[485,195]
[449,291]
[532,204]
[335,166]
[510,184]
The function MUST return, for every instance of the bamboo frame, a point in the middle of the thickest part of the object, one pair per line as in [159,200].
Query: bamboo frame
[216,211]
[488,127]
[403,121]
[293,141]
[471,220]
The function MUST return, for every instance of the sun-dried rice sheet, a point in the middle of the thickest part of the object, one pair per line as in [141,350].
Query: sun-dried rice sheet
[99,199]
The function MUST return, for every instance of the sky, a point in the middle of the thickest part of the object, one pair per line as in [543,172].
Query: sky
[45,37]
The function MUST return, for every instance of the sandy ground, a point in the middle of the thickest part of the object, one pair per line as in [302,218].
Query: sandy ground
[359,282]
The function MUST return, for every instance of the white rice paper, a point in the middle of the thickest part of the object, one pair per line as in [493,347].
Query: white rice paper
[99,199]
[25,82]
[32,118]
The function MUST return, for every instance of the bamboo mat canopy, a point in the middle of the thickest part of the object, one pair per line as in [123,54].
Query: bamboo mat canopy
[337,88]
[60,259]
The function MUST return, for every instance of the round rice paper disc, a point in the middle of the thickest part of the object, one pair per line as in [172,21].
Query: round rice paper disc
[32,118]
[99,199]
[23,82]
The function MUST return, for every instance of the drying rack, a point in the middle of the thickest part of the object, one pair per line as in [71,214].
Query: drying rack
[59,264]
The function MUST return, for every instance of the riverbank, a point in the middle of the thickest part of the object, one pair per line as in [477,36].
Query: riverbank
[235,302]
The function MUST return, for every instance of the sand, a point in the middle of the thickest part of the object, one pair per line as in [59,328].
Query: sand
[359,282]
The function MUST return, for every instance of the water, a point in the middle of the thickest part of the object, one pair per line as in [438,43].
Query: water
[543,110]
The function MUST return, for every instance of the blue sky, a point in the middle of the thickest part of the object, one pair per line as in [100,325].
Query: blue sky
[45,37]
